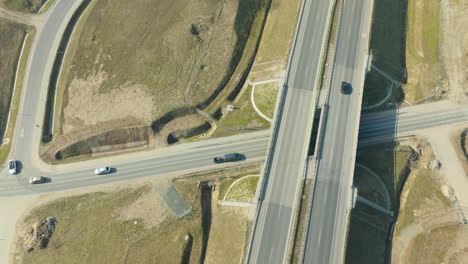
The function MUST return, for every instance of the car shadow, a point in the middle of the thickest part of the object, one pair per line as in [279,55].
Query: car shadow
[19,166]
[242,157]
[47,180]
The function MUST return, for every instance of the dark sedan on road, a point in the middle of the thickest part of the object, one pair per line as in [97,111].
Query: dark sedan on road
[346,88]
[228,157]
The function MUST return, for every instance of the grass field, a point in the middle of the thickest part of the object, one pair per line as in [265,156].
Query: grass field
[405,45]
[279,30]
[391,162]
[387,47]
[23,5]
[265,98]
[132,225]
[366,244]
[243,119]
[243,191]
[11,38]
[168,62]
[422,49]
[367,241]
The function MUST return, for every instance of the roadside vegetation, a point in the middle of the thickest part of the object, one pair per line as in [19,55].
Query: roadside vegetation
[422,51]
[132,224]
[242,191]
[425,227]
[32,6]
[242,119]
[387,47]
[405,42]
[272,56]
[463,147]
[382,170]
[12,37]
[265,97]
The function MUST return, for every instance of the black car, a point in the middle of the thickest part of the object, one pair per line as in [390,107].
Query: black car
[228,157]
[346,88]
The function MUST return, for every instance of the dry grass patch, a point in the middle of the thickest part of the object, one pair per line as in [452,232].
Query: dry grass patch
[129,225]
[244,190]
[446,245]
[147,68]
[228,235]
[24,5]
[422,50]
[265,97]
[242,119]
[11,39]
[454,47]
[276,40]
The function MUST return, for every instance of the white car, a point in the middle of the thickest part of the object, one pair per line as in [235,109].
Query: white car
[102,171]
[12,167]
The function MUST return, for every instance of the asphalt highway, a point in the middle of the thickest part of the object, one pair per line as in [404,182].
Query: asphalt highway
[372,130]
[331,197]
[198,155]
[191,156]
[269,242]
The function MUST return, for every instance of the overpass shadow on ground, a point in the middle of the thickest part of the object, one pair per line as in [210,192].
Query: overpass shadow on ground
[382,164]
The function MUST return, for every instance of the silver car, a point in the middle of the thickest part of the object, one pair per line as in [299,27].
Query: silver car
[36,180]
[102,171]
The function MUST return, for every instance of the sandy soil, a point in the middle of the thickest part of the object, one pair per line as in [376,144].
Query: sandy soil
[452,165]
[10,210]
[454,47]
[430,212]
[88,107]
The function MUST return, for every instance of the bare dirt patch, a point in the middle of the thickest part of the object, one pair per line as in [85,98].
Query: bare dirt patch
[87,107]
[426,216]
[149,207]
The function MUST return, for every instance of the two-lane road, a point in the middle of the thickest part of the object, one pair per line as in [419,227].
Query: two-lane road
[34,96]
[197,155]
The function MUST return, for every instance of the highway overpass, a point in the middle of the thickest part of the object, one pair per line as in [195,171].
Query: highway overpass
[331,203]
[286,159]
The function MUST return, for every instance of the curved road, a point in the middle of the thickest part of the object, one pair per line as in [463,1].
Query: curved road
[34,94]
